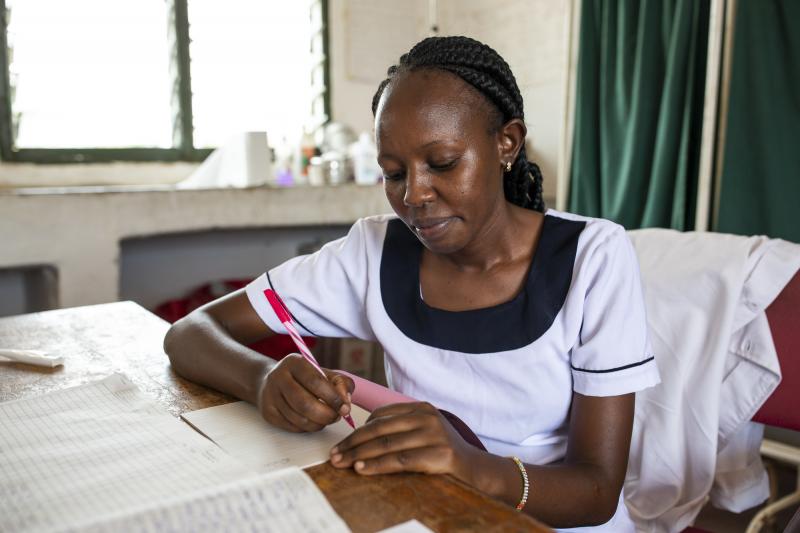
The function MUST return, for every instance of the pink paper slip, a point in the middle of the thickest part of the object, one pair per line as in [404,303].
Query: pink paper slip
[370,396]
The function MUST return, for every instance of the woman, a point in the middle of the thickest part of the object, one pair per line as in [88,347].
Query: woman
[527,325]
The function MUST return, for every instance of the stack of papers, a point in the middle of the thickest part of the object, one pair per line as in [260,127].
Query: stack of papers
[104,456]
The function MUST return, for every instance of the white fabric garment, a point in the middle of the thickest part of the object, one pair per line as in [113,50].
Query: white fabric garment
[508,371]
[706,294]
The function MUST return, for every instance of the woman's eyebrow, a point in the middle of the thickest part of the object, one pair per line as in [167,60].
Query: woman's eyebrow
[434,142]
[382,156]
[438,141]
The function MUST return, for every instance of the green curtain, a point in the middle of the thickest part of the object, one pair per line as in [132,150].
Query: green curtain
[760,183]
[638,111]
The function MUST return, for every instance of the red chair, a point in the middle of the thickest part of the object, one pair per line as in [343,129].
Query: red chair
[782,408]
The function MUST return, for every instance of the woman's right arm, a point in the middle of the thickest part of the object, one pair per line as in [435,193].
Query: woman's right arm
[209,347]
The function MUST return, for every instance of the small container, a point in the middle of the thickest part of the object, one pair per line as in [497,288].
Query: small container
[304,152]
[365,160]
[338,170]
[316,171]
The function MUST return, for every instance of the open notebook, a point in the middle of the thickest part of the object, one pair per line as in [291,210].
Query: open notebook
[104,456]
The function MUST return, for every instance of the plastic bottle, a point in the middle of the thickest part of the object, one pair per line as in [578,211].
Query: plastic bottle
[306,149]
[365,163]
[283,165]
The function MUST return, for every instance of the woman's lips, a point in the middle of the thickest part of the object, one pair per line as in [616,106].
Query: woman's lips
[432,229]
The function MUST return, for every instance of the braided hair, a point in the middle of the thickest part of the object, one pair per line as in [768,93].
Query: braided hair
[483,68]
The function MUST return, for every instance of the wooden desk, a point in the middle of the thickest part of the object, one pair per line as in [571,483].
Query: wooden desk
[124,337]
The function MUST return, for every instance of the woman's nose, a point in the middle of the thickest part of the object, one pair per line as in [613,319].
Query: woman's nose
[418,189]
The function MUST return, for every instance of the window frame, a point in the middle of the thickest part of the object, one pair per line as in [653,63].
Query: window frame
[182,124]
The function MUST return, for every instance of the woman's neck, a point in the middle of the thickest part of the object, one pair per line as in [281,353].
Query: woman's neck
[507,236]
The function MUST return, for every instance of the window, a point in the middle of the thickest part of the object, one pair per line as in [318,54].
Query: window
[93,80]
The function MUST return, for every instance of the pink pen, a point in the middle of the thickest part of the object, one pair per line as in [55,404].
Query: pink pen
[286,319]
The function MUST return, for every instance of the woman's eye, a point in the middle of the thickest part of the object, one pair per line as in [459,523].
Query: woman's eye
[392,176]
[444,165]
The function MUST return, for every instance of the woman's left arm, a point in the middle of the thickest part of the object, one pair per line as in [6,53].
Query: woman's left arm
[581,490]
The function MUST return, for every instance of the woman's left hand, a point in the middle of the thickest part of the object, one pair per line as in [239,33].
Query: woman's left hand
[405,437]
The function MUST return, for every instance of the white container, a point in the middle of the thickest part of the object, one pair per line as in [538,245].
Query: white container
[364,155]
[316,172]
[243,161]
[336,168]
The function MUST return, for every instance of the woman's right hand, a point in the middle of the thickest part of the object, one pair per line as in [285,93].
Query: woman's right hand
[294,396]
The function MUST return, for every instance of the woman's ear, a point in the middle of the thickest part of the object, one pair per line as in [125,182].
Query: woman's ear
[510,139]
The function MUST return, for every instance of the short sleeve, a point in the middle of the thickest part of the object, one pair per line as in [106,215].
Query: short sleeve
[612,355]
[325,292]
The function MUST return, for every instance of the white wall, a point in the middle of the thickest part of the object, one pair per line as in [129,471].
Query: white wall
[531,35]
[366,38]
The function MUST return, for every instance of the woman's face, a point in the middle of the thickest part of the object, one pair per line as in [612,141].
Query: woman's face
[441,162]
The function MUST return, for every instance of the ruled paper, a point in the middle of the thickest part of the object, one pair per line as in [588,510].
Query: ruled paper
[277,502]
[103,448]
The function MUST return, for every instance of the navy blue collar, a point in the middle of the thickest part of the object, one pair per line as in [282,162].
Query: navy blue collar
[507,326]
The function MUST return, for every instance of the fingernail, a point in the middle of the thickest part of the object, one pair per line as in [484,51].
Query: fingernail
[334,450]
[344,409]
[336,458]
[359,465]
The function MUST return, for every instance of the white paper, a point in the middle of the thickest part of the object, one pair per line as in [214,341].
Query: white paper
[31,357]
[242,161]
[287,500]
[81,453]
[239,429]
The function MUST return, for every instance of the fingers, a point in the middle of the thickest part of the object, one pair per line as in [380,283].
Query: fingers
[402,437]
[429,459]
[395,409]
[319,385]
[273,415]
[291,394]
[380,425]
[341,380]
[384,421]
[379,446]
[344,386]
[304,409]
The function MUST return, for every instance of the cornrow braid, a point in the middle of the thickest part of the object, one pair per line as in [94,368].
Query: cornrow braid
[484,69]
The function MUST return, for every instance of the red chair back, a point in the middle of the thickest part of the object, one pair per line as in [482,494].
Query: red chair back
[782,408]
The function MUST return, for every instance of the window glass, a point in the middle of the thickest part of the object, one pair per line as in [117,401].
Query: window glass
[90,73]
[250,68]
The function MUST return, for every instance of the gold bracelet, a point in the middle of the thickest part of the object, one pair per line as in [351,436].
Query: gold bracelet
[525,484]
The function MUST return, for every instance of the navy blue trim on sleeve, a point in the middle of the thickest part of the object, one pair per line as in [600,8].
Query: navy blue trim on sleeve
[271,286]
[604,371]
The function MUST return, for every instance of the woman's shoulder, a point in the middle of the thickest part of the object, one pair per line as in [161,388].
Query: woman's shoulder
[369,233]
[595,231]
[374,224]
[372,227]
